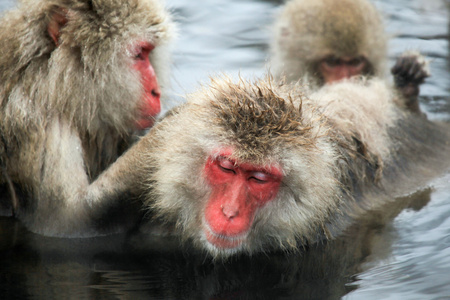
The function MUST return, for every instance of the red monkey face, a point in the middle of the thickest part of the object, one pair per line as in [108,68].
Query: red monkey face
[238,190]
[338,68]
[151,105]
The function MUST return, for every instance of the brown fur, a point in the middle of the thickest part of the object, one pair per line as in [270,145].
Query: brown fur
[67,112]
[308,31]
[335,165]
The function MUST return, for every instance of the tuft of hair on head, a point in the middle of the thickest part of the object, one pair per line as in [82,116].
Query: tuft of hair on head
[260,113]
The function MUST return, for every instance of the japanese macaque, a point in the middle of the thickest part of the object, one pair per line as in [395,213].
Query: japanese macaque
[78,79]
[326,41]
[329,40]
[255,166]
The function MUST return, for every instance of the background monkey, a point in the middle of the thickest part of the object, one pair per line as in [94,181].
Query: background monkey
[255,166]
[327,40]
[78,78]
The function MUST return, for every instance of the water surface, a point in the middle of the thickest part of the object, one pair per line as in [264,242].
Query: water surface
[407,258]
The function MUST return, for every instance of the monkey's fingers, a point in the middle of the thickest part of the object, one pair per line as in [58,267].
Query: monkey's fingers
[410,70]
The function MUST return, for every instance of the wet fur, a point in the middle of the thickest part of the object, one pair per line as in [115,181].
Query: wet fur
[68,112]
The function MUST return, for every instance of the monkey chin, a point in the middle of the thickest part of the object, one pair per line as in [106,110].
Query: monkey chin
[221,245]
[145,123]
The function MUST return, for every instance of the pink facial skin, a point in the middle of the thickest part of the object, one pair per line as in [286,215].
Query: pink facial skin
[336,69]
[238,190]
[151,104]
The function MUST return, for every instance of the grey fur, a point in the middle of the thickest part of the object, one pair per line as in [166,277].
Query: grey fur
[67,112]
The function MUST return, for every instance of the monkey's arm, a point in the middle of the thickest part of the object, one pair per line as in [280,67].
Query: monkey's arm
[63,201]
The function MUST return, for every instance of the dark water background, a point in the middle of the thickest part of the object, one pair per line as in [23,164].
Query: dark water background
[405,254]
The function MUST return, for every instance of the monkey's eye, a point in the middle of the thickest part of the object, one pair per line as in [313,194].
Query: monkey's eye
[142,51]
[355,62]
[227,166]
[139,56]
[332,61]
[260,177]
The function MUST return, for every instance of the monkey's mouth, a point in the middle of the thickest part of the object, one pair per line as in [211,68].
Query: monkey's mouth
[221,241]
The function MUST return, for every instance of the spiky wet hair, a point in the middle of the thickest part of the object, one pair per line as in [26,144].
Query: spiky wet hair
[258,115]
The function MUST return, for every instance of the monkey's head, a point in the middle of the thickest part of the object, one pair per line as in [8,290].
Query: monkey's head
[105,59]
[329,40]
[244,167]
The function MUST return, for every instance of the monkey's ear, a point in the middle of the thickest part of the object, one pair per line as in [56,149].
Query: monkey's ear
[57,21]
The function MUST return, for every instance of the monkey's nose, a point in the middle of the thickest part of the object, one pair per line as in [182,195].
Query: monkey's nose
[156,92]
[230,211]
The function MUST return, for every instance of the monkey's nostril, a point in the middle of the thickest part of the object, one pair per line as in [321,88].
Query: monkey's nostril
[156,93]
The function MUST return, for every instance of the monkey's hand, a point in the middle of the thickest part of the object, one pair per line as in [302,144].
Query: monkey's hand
[410,71]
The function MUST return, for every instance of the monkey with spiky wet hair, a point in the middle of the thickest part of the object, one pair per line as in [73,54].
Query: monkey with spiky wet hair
[255,166]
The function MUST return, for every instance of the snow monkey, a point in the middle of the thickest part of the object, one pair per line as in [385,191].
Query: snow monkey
[77,79]
[326,41]
[254,166]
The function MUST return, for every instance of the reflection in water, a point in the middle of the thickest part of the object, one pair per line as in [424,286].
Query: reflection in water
[408,258]
[124,266]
